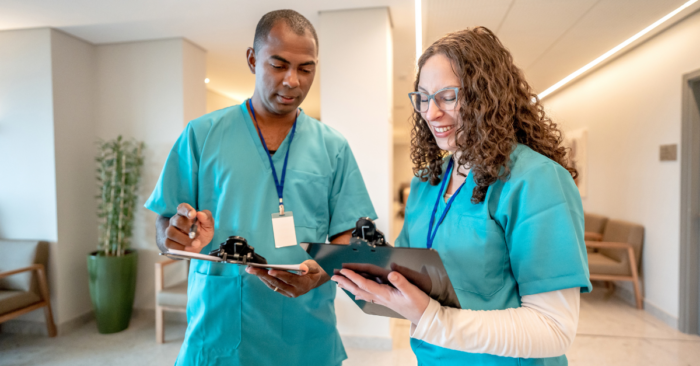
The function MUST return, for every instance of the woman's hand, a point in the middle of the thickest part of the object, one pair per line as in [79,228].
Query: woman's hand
[406,299]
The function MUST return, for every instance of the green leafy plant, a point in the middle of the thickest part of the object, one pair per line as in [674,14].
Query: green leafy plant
[119,164]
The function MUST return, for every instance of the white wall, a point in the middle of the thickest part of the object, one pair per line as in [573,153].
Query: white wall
[148,91]
[346,39]
[630,107]
[73,75]
[27,196]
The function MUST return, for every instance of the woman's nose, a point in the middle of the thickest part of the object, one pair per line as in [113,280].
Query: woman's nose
[433,112]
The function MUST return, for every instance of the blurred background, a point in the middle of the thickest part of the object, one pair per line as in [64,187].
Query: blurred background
[620,77]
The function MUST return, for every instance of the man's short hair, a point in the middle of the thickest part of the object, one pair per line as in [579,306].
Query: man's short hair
[297,22]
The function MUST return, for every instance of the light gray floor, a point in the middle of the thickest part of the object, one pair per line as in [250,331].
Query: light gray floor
[610,333]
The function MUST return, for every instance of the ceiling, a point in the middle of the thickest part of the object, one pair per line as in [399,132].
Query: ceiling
[549,39]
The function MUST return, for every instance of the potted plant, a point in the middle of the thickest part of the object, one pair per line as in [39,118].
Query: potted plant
[112,267]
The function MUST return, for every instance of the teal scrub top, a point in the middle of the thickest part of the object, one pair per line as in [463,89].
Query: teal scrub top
[219,164]
[525,238]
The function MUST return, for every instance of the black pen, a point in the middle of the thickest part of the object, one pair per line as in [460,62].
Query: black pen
[193,229]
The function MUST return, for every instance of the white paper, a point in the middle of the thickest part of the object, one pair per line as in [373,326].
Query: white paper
[194,255]
[283,229]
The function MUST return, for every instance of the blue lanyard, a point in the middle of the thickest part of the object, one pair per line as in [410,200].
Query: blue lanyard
[280,186]
[445,178]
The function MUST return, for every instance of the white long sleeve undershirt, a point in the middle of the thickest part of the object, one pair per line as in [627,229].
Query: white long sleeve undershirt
[544,326]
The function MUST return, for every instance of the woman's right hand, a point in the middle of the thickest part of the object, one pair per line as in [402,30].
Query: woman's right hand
[173,232]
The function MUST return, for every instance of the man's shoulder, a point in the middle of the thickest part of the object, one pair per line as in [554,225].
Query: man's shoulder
[217,117]
[330,136]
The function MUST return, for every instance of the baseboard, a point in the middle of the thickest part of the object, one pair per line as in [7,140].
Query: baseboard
[661,314]
[627,296]
[28,327]
[375,343]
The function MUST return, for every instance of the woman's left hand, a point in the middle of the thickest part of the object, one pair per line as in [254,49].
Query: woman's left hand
[406,299]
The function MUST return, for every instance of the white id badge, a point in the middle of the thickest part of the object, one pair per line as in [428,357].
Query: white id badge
[283,228]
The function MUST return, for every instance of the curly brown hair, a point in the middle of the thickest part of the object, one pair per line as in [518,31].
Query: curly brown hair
[498,108]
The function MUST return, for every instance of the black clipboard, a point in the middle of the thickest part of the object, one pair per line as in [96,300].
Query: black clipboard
[420,266]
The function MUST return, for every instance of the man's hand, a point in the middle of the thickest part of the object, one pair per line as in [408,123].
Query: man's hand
[174,232]
[290,284]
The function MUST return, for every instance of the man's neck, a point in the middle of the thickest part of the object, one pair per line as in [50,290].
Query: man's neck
[274,127]
[269,119]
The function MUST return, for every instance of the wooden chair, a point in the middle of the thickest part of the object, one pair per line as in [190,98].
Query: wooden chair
[171,298]
[618,255]
[23,285]
[594,226]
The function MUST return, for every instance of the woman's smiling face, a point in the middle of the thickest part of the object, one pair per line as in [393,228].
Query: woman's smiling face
[435,75]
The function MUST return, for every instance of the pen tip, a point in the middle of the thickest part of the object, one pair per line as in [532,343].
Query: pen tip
[192,235]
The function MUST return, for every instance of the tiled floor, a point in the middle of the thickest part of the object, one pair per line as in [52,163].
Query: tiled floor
[610,333]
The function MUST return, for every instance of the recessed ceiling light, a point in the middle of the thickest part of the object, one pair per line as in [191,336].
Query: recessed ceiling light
[206,81]
[613,51]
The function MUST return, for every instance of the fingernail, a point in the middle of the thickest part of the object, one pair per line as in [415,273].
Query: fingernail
[192,214]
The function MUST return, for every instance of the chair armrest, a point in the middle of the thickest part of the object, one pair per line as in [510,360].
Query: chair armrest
[159,272]
[608,245]
[589,235]
[33,267]
[167,262]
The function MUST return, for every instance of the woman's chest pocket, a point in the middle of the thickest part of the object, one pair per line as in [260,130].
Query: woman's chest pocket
[474,253]
[306,195]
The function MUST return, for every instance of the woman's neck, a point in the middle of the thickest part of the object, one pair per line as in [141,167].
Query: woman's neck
[456,179]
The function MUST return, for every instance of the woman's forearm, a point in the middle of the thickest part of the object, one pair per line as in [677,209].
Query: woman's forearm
[544,326]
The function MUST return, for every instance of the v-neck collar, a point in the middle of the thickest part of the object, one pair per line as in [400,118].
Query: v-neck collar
[466,189]
[278,156]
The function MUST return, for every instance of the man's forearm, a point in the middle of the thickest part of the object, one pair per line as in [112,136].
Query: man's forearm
[162,224]
[342,238]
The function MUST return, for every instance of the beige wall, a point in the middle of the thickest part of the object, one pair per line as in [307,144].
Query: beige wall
[216,101]
[73,76]
[148,90]
[630,107]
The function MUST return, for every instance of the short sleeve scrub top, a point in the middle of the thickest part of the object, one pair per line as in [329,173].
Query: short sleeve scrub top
[219,164]
[525,238]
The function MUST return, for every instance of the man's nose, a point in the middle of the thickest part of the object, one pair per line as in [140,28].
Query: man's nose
[291,79]
[433,111]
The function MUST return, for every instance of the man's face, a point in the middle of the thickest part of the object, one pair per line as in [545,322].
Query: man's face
[284,68]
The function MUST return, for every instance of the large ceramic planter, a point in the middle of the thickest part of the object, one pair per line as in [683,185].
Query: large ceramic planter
[112,289]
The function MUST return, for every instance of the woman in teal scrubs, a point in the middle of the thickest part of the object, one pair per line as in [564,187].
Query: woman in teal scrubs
[494,195]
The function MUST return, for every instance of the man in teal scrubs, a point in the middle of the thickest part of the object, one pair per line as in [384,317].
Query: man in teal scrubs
[220,172]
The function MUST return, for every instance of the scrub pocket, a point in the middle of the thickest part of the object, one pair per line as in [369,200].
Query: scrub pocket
[215,311]
[307,194]
[477,254]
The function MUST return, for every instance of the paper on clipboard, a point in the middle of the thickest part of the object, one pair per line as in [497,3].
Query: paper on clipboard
[190,255]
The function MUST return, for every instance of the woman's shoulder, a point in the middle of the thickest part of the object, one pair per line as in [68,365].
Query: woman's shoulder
[526,163]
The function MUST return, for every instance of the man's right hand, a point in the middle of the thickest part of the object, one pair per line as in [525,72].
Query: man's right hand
[174,232]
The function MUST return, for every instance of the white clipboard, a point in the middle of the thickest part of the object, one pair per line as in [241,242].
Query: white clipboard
[181,254]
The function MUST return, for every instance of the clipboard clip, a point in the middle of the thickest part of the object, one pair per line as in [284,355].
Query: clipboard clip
[366,230]
[236,249]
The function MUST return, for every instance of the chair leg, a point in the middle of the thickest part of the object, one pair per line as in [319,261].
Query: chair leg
[44,288]
[160,331]
[635,279]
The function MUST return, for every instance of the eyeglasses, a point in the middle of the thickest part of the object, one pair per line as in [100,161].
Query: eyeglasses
[445,99]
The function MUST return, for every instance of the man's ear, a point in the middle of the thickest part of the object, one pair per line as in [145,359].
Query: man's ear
[250,57]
